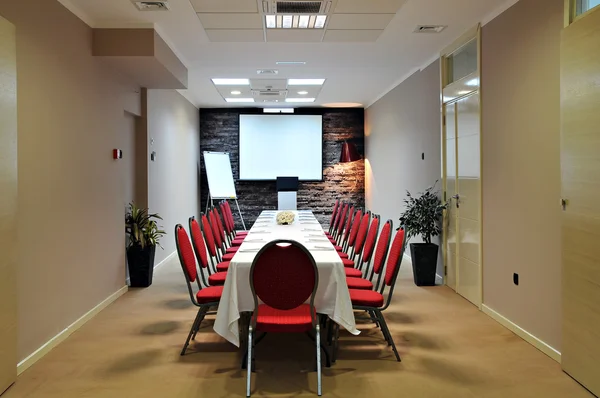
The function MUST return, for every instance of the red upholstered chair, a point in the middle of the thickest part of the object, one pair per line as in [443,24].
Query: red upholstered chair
[211,245]
[378,258]
[339,224]
[229,227]
[373,301]
[333,214]
[346,231]
[237,234]
[214,224]
[226,245]
[284,277]
[367,253]
[205,297]
[354,226]
[213,279]
[361,236]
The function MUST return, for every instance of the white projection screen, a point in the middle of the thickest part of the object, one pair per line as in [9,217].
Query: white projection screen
[274,146]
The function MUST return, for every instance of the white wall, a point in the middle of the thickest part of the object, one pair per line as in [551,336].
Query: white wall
[400,127]
[174,184]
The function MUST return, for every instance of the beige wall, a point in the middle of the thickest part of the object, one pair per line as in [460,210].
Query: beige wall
[400,127]
[71,192]
[8,204]
[521,166]
[174,189]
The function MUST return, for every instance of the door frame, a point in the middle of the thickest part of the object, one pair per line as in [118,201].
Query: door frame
[450,93]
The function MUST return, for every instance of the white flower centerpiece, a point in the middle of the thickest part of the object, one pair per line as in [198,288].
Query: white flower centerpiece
[285,217]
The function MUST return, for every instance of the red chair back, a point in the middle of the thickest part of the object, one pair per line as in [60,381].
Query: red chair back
[283,276]
[212,217]
[370,240]
[333,213]
[395,257]
[348,222]
[362,233]
[186,253]
[341,219]
[220,225]
[354,228]
[382,246]
[198,242]
[208,236]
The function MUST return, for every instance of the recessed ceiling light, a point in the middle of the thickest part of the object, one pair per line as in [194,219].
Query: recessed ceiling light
[270,21]
[463,92]
[343,105]
[231,82]
[299,100]
[278,110]
[305,82]
[302,92]
[287,21]
[320,22]
[236,92]
[291,62]
[303,21]
[239,99]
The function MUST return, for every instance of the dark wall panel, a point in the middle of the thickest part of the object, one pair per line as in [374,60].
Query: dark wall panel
[219,130]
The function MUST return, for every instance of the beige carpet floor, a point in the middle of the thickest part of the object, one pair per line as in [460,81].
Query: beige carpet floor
[448,348]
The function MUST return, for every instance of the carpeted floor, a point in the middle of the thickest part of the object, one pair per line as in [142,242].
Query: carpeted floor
[448,349]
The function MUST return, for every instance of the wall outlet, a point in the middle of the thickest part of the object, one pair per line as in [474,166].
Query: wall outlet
[516,279]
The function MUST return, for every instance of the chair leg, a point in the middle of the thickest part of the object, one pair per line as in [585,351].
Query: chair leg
[199,322]
[249,363]
[193,328]
[373,318]
[318,339]
[384,326]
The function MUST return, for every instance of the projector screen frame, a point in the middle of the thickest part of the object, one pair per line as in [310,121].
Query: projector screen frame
[312,112]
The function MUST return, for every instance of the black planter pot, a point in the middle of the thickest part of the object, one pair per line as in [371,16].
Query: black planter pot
[424,263]
[141,265]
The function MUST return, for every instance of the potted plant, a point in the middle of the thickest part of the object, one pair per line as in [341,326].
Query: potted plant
[144,235]
[422,217]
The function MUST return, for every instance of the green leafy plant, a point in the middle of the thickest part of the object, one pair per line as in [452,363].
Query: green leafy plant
[423,214]
[142,227]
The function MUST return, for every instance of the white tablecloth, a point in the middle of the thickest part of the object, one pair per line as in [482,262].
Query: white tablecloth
[332,297]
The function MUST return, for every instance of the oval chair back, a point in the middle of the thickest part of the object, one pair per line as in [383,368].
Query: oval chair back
[381,251]
[369,243]
[187,260]
[394,261]
[333,214]
[209,239]
[354,228]
[348,223]
[340,221]
[284,276]
[212,218]
[199,247]
[362,234]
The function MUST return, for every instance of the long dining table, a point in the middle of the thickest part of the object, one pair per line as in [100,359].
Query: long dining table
[332,296]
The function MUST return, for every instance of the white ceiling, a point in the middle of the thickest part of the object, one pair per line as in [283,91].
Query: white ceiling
[357,72]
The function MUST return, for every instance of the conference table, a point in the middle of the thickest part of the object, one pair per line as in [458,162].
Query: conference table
[332,297]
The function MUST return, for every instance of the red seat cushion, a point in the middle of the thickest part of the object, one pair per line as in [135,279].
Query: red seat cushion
[353,272]
[241,233]
[359,283]
[297,320]
[217,279]
[348,263]
[235,243]
[228,256]
[238,240]
[223,266]
[343,255]
[232,249]
[366,298]
[338,248]
[210,294]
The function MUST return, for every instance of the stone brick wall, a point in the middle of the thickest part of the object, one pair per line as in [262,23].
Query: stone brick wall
[219,129]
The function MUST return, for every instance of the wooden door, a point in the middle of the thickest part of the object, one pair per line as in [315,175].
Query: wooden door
[580,164]
[8,205]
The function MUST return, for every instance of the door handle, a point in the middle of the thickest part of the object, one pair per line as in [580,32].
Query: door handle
[457,199]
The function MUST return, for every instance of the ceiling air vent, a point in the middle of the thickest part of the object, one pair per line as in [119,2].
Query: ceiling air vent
[152,5]
[429,29]
[267,72]
[298,7]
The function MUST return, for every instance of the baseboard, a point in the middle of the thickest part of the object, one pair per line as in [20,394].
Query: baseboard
[59,338]
[522,333]
[166,259]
